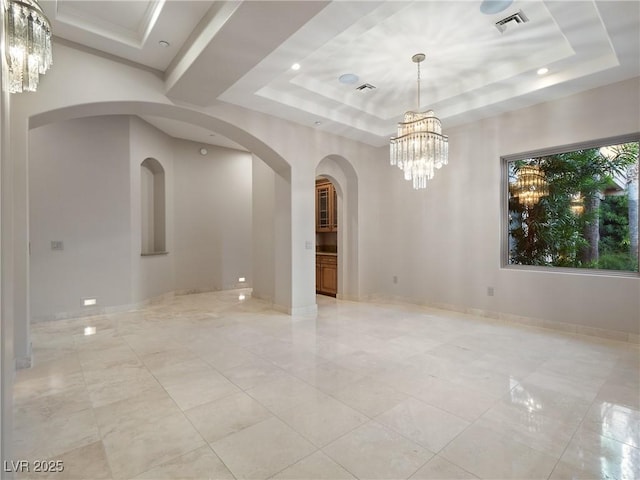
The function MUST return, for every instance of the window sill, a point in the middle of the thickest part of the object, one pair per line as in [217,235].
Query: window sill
[573,271]
[153,254]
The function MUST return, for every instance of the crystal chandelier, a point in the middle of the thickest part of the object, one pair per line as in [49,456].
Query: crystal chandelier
[420,147]
[27,44]
[530,185]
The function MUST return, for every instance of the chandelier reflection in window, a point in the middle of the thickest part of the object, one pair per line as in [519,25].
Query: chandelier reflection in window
[420,147]
[576,203]
[530,185]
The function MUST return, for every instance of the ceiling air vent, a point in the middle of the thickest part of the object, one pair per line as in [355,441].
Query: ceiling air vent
[519,17]
[365,86]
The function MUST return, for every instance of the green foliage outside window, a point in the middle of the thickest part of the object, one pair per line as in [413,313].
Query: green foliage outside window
[585,213]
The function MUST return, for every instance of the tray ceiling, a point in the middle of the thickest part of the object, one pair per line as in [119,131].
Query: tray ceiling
[242,53]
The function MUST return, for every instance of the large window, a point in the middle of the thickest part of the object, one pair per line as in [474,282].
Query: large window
[574,207]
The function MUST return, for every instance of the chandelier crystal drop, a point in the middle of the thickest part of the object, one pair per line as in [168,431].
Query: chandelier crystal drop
[27,44]
[420,147]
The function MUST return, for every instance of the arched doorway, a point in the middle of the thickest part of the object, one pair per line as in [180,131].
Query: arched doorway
[326,237]
[344,179]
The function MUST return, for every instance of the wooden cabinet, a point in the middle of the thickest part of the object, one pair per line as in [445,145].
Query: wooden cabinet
[326,238]
[326,207]
[327,274]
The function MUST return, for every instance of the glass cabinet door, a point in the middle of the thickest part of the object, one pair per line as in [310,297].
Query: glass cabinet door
[326,207]
[323,223]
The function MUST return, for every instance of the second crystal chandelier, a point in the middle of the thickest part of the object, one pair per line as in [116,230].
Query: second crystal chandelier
[420,146]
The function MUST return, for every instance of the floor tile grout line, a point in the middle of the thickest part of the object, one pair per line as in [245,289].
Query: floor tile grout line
[471,424]
[95,418]
[182,455]
[296,462]
[228,395]
[168,395]
[233,433]
[384,427]
[308,439]
[564,450]
[186,417]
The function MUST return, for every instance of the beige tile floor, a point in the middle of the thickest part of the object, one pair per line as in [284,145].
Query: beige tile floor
[209,386]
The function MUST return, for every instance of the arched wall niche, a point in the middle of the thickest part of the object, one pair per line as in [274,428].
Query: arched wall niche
[345,179]
[153,232]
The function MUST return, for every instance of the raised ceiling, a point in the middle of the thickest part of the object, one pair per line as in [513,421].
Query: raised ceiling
[242,53]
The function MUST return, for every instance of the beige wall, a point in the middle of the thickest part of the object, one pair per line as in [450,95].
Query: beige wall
[263,238]
[213,217]
[79,194]
[445,249]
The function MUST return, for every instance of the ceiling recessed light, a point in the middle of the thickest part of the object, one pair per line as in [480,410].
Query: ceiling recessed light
[348,78]
[203,151]
[543,70]
[317,123]
[295,66]
[489,7]
[163,43]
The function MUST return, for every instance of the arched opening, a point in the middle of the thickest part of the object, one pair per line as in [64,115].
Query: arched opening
[152,208]
[344,180]
[275,266]
[174,112]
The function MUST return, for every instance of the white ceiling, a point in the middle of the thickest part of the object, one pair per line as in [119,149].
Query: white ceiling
[242,52]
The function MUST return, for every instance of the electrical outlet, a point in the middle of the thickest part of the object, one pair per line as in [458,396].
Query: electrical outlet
[395,279]
[57,245]
[490,291]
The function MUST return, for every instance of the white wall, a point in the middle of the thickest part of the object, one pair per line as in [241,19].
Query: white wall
[212,239]
[263,247]
[79,194]
[444,243]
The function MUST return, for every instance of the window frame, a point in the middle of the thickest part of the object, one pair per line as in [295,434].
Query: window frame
[504,205]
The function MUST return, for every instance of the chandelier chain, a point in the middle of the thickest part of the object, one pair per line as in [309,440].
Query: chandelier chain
[418,109]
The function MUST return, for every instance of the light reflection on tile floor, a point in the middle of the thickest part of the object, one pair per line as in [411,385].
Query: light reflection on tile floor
[208,386]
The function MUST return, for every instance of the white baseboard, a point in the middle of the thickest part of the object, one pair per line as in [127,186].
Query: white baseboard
[513,319]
